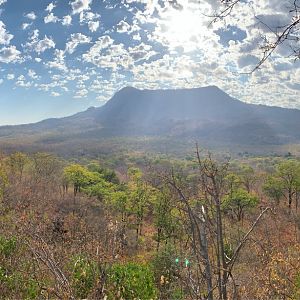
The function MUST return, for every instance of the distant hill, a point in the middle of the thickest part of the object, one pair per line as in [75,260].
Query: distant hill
[206,114]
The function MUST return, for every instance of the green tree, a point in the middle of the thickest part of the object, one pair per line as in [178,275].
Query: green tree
[140,194]
[166,272]
[288,176]
[163,216]
[77,175]
[238,202]
[248,177]
[272,187]
[17,162]
[3,180]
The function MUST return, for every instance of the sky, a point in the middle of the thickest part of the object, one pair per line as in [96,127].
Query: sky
[60,57]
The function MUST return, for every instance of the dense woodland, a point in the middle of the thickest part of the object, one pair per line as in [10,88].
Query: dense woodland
[203,227]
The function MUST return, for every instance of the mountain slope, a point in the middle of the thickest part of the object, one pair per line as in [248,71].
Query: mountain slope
[207,114]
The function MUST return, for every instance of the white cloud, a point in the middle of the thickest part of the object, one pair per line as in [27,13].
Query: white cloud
[55,94]
[32,74]
[106,55]
[82,93]
[1,81]
[50,7]
[10,76]
[2,1]
[31,16]
[5,37]
[39,46]
[51,18]
[44,44]
[58,62]
[141,52]
[10,55]
[80,5]
[75,40]
[122,27]
[66,20]
[93,26]
[26,25]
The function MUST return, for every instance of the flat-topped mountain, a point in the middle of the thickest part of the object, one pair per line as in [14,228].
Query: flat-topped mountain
[207,114]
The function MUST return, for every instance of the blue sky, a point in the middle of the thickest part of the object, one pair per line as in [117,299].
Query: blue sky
[60,57]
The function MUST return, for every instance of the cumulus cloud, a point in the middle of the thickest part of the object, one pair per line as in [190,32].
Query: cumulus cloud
[58,62]
[26,25]
[39,45]
[79,6]
[10,55]
[31,16]
[66,20]
[51,18]
[93,26]
[82,93]
[123,26]
[75,40]
[50,7]
[10,76]
[55,94]
[5,37]
[32,74]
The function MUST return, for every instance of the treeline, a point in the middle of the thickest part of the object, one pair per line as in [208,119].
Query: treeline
[196,229]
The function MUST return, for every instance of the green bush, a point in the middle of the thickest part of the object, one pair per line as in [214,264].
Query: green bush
[166,273]
[7,246]
[84,276]
[131,281]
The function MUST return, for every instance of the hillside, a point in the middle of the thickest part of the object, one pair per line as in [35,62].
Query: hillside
[207,114]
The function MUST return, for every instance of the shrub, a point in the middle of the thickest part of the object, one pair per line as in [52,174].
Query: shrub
[131,281]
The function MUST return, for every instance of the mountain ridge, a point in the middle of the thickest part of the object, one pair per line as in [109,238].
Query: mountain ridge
[207,114]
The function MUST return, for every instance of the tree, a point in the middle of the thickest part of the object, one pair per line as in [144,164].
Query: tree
[164,220]
[248,177]
[205,214]
[78,176]
[17,162]
[272,187]
[3,180]
[140,194]
[285,182]
[45,166]
[238,202]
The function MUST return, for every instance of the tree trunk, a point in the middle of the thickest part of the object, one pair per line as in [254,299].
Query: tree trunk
[220,242]
[204,254]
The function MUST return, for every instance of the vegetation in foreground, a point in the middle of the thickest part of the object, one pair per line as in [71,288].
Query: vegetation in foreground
[193,229]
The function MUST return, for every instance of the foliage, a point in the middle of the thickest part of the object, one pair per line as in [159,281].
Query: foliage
[17,162]
[3,180]
[131,281]
[84,276]
[7,246]
[272,187]
[166,272]
[164,219]
[238,202]
[12,280]
[285,182]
